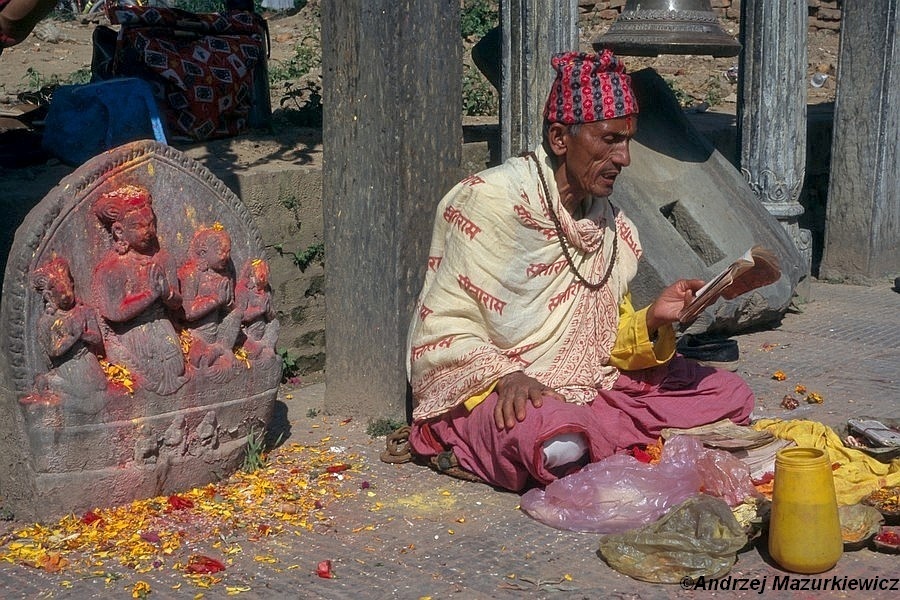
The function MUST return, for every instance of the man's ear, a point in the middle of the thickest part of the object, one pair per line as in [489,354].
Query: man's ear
[556,136]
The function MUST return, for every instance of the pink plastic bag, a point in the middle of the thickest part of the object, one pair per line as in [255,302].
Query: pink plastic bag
[620,493]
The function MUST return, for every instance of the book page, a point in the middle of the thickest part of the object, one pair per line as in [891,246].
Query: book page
[756,268]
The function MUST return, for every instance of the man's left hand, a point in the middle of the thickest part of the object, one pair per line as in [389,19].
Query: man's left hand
[670,302]
[515,392]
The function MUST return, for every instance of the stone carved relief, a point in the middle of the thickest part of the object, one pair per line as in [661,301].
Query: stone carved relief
[69,333]
[135,288]
[146,449]
[174,436]
[133,361]
[208,430]
[207,284]
[259,328]
[156,325]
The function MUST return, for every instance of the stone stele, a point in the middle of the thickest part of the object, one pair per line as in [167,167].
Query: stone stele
[137,336]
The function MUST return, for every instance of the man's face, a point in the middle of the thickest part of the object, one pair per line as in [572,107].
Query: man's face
[596,154]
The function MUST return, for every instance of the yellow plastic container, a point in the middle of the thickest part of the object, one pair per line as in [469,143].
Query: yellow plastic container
[804,527]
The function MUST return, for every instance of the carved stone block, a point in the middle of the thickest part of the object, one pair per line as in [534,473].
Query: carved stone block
[137,336]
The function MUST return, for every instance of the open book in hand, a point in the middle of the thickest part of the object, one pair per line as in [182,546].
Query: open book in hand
[756,268]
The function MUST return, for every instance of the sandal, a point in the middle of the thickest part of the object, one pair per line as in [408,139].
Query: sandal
[397,451]
[447,464]
[397,447]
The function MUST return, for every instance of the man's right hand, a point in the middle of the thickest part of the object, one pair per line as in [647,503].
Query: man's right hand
[514,392]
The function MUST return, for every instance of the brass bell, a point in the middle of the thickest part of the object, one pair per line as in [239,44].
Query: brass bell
[654,27]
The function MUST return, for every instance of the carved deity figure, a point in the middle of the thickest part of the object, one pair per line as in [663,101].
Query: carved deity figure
[69,332]
[207,289]
[134,286]
[254,302]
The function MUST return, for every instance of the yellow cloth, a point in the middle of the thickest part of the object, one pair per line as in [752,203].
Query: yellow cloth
[633,349]
[479,398]
[859,474]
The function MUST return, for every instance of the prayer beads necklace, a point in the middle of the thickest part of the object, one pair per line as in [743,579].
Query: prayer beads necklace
[561,237]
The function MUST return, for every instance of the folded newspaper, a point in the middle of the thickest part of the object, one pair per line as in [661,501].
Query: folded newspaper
[723,435]
[756,268]
[756,449]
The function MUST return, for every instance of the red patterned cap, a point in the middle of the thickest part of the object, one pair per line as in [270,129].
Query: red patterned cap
[589,87]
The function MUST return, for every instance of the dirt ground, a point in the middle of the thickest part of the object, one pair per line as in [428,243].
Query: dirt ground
[702,78]
[59,51]
[59,48]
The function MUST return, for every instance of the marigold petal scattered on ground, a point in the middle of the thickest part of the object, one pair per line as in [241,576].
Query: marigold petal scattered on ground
[779,376]
[814,398]
[265,559]
[141,589]
[51,562]
[151,534]
[233,590]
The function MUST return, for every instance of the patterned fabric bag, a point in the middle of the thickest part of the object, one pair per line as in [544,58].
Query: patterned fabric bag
[207,71]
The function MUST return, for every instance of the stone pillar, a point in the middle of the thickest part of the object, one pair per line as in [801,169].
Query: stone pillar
[392,82]
[862,227]
[772,109]
[532,31]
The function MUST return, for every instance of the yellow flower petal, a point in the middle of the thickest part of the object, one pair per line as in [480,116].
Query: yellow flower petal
[233,590]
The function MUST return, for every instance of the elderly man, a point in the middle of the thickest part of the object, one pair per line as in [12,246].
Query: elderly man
[526,358]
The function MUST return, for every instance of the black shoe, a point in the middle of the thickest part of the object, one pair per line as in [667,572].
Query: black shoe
[710,350]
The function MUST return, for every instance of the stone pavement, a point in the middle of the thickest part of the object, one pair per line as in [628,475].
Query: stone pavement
[402,531]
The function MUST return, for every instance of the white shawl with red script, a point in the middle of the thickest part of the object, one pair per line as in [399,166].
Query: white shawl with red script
[499,296]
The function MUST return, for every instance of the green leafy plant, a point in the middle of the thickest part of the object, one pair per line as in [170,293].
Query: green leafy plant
[312,413]
[479,96]
[305,102]
[289,366]
[382,427]
[304,258]
[714,94]
[81,76]
[289,201]
[298,92]
[684,99]
[305,59]
[477,17]
[35,80]
[255,452]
